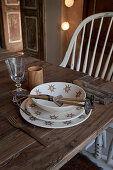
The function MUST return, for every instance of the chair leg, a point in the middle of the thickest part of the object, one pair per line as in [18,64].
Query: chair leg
[110,152]
[98,147]
[104,138]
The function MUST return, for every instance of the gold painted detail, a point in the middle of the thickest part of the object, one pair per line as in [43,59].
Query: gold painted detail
[48,123]
[51,88]
[68,122]
[70,115]
[38,113]
[78,94]
[32,118]
[67,88]
[53,117]
[38,92]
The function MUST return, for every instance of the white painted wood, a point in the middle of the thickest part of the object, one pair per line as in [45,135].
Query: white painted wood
[80,52]
[104,139]
[102,163]
[90,144]
[72,46]
[110,74]
[110,152]
[102,54]
[93,57]
[87,51]
[98,147]
[107,62]
[73,56]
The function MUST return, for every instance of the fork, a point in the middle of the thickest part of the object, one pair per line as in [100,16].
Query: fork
[19,125]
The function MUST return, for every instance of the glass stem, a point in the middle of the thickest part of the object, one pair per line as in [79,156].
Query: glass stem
[18,85]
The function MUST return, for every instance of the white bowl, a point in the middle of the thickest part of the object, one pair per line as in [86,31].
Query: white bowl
[67,90]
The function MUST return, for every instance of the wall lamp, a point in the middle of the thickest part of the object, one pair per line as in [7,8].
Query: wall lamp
[69,3]
[65,26]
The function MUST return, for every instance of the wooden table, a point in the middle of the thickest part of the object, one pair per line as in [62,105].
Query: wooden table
[20,151]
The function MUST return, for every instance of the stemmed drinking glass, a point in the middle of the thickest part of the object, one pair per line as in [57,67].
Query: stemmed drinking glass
[16,70]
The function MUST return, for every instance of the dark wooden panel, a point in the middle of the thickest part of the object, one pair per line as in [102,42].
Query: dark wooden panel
[33,28]
[31,33]
[30,4]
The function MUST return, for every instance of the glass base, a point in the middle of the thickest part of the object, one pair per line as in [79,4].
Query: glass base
[19,95]
[20,91]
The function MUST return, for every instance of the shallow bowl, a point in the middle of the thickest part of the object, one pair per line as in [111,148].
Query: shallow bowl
[67,90]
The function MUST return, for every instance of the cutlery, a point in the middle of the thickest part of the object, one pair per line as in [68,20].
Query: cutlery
[19,125]
[58,100]
[88,104]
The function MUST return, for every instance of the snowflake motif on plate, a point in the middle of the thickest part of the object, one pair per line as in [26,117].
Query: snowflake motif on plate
[78,94]
[38,113]
[67,88]
[48,123]
[32,105]
[53,117]
[67,122]
[38,92]
[32,118]
[51,88]
[70,115]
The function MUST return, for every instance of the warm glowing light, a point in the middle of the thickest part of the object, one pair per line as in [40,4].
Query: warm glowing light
[69,3]
[65,26]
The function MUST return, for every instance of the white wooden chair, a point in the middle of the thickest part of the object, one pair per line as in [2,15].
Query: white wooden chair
[86,63]
[71,51]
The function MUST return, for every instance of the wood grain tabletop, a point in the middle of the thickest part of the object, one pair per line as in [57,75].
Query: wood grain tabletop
[20,151]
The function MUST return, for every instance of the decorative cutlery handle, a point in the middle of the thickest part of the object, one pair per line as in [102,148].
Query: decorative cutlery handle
[32,134]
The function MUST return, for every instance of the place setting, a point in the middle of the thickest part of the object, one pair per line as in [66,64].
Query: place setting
[48,105]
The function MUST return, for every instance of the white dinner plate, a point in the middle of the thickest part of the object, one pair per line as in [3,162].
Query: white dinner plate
[47,124]
[55,116]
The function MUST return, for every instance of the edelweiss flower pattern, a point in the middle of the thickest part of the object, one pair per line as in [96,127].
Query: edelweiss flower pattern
[51,88]
[67,88]
[78,94]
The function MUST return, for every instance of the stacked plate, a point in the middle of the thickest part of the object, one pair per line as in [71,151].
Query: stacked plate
[47,114]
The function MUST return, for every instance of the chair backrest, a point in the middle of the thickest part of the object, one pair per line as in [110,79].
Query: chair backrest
[86,66]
